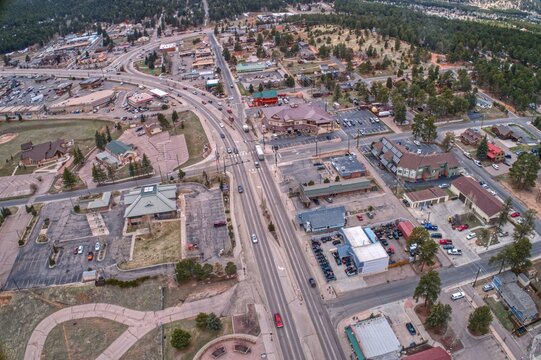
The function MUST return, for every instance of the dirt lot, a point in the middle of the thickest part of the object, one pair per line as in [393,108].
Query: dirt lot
[148,347]
[81,339]
[21,311]
[532,198]
[161,247]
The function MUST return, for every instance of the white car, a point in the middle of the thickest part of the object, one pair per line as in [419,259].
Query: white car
[492,192]
[457,295]
[97,247]
[254,238]
[471,236]
[221,125]
[80,249]
[495,166]
[416,142]
[419,151]
[478,163]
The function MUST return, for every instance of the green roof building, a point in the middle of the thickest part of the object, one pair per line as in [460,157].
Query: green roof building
[245,68]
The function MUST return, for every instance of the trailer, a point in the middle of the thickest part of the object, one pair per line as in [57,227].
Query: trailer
[260,153]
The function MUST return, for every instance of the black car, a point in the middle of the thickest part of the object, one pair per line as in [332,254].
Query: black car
[222,136]
[241,190]
[312,282]
[336,242]
[411,328]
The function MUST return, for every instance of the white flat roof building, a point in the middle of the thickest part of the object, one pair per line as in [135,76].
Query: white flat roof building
[158,93]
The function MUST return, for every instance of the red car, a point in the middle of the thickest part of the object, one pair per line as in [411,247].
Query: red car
[462,227]
[278,320]
[446,242]
[360,217]
[515,214]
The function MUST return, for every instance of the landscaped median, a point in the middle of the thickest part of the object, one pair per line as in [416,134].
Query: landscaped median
[35,210]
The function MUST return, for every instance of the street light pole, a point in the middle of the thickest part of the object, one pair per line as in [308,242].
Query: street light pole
[476,276]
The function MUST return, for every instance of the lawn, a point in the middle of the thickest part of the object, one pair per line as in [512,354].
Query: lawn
[149,346]
[81,339]
[161,247]
[140,65]
[39,131]
[195,136]
[499,310]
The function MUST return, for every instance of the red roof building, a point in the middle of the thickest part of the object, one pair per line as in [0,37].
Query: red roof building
[495,153]
[436,353]
[406,227]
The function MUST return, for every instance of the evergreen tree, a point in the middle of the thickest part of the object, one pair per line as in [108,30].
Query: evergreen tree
[68,178]
[98,174]
[201,320]
[100,140]
[213,322]
[260,87]
[480,319]
[439,315]
[180,339]
[108,134]
[146,166]
[230,268]
[226,54]
[174,116]
[427,253]
[482,149]
[523,172]
[251,89]
[429,288]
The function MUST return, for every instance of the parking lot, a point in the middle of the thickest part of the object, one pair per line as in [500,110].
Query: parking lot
[363,122]
[203,209]
[67,231]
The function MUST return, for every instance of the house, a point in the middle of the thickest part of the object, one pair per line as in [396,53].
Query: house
[122,152]
[504,132]
[412,167]
[426,197]
[471,137]
[495,153]
[519,301]
[476,198]
[152,202]
[307,118]
[348,167]
[42,153]
[267,97]
[323,219]
[375,339]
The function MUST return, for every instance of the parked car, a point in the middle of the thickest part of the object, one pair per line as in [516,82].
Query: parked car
[431,227]
[488,287]
[495,166]
[254,238]
[416,142]
[508,156]
[229,150]
[454,251]
[448,246]
[80,249]
[457,295]
[411,328]
[515,214]
[222,135]
[444,186]
[97,246]
[471,236]
[462,227]
[478,163]
[360,217]
[278,320]
[336,242]
[446,241]
[90,256]
[436,235]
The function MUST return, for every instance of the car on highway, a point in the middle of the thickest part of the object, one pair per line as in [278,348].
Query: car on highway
[495,166]
[222,135]
[90,256]
[488,287]
[478,163]
[235,150]
[515,214]
[241,190]
[312,282]
[471,236]
[203,102]
[278,320]
[492,192]
[457,295]
[446,241]
[454,251]
[222,125]
[254,238]
[411,328]
[229,150]
[97,246]
[462,227]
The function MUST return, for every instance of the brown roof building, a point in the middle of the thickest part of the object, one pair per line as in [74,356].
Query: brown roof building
[435,353]
[504,132]
[303,117]
[41,153]
[471,137]
[485,205]
[412,167]
[426,197]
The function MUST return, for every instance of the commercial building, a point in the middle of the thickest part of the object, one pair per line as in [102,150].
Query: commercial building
[323,219]
[140,99]
[426,197]
[91,83]
[267,97]
[406,227]
[435,353]
[160,94]
[62,88]
[171,47]
[519,301]
[246,68]
[101,204]
[476,198]
[495,153]
[348,167]
[202,63]
[40,154]
[124,153]
[212,83]
[374,339]
[307,118]
[412,167]
[367,253]
[85,103]
[152,202]
[348,186]
[471,137]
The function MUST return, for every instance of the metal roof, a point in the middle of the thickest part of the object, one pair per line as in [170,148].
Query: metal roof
[150,200]
[340,187]
[377,338]
[323,218]
[347,165]
[356,236]
[117,147]
[101,202]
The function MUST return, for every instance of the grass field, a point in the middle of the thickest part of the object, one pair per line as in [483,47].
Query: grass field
[39,131]
[193,131]
[162,247]
[500,312]
[149,346]
[81,339]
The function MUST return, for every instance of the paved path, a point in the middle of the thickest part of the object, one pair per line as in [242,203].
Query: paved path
[139,322]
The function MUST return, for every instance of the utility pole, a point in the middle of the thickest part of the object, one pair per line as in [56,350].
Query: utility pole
[476,276]
[358,137]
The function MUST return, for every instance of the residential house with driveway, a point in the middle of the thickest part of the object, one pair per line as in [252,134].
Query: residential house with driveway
[412,167]
[471,137]
[41,154]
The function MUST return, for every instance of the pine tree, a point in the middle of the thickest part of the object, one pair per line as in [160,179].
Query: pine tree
[100,140]
[480,319]
[429,288]
[482,149]
[108,134]
[146,166]
[69,178]
[523,172]
[251,89]
[174,116]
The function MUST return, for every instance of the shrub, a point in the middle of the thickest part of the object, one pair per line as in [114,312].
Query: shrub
[201,320]
[52,262]
[180,339]
[127,284]
[77,208]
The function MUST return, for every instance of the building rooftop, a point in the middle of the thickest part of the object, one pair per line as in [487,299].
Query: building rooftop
[370,252]
[42,151]
[151,199]
[323,218]
[347,165]
[356,236]
[435,353]
[250,67]
[292,113]
[84,100]
[141,98]
[90,81]
[117,147]
[426,194]
[158,93]
[519,299]
[101,202]
[340,187]
[376,337]
[471,136]
[104,156]
[265,94]
[475,192]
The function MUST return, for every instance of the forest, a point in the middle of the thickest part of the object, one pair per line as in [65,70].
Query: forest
[27,22]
